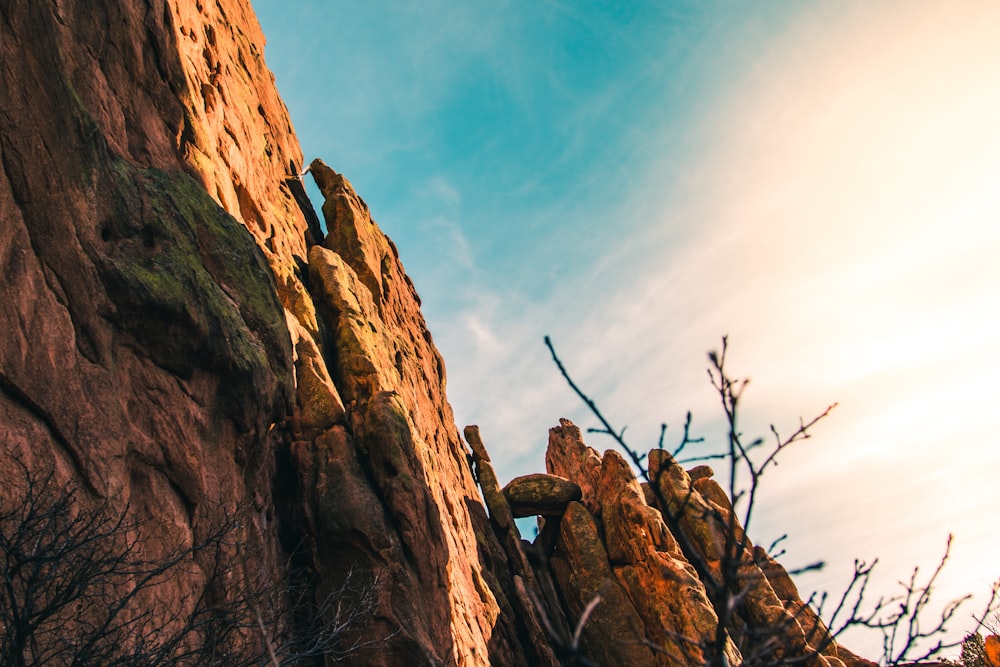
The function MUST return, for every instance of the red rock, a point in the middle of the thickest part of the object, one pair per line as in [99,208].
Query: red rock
[648,562]
[146,354]
[164,351]
[520,604]
[710,532]
[699,472]
[185,344]
[567,456]
[991,645]
[391,379]
[614,632]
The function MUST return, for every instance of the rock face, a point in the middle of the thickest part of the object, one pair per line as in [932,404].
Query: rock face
[413,516]
[184,341]
[187,347]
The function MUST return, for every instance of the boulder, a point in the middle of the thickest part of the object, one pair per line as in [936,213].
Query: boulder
[539,494]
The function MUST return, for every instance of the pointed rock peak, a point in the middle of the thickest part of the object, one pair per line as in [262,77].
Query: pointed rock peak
[327,180]
[569,457]
[332,184]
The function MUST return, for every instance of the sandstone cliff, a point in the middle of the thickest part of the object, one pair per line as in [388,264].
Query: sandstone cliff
[187,345]
[177,341]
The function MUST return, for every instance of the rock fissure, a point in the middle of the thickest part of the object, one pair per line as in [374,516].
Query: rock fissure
[35,409]
[12,173]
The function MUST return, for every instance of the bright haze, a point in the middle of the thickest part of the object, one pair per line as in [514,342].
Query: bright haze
[820,181]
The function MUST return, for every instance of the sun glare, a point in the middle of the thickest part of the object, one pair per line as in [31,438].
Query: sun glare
[853,196]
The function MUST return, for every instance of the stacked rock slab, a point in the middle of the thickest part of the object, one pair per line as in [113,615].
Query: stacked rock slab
[612,545]
[386,485]
[645,562]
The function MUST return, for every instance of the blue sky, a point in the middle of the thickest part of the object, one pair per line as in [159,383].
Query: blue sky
[817,180]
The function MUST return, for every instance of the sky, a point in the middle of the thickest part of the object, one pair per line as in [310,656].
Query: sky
[816,180]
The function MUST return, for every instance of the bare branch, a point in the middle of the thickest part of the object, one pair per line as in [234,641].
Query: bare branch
[731,578]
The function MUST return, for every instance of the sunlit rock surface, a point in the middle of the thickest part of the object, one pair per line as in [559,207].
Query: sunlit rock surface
[654,604]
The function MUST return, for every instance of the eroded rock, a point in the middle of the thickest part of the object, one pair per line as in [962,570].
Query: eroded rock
[185,341]
[567,456]
[614,632]
[656,556]
[540,495]
[992,647]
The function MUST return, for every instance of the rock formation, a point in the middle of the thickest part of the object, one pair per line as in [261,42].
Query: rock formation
[178,341]
[613,544]
[186,345]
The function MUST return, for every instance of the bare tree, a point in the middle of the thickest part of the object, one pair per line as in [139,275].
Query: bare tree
[77,587]
[734,574]
[909,633]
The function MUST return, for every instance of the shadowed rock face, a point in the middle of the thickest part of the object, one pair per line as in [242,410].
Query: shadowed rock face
[185,343]
[136,310]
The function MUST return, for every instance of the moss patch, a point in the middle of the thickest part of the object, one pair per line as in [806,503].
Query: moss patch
[190,287]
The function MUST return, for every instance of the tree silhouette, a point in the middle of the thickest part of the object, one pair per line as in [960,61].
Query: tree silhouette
[77,587]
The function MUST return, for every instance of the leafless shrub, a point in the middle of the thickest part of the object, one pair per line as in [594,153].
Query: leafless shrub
[77,587]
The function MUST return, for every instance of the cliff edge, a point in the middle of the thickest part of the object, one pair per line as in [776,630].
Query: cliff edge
[182,347]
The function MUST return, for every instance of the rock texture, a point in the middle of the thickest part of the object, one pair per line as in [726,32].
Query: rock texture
[413,518]
[611,545]
[185,343]
[992,647]
[137,311]
[540,495]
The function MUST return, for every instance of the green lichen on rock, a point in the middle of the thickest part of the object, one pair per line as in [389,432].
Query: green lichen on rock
[190,287]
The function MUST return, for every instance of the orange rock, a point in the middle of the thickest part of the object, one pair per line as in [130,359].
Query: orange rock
[567,456]
[183,341]
[992,647]
[614,632]
[163,350]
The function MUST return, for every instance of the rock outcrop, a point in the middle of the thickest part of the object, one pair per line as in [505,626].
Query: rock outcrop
[188,347]
[184,342]
[653,584]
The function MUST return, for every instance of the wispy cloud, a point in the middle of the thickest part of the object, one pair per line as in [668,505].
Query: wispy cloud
[842,228]
[852,215]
